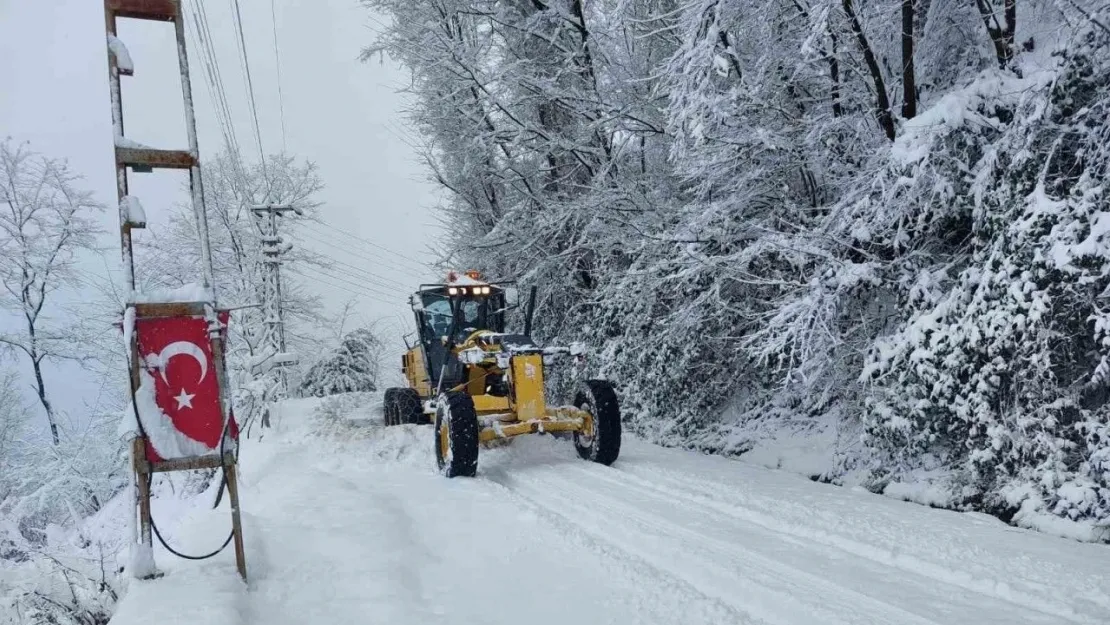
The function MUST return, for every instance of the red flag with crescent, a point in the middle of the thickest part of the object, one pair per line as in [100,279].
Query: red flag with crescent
[175,356]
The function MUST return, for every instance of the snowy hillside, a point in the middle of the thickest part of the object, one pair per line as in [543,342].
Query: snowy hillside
[347,522]
[880,226]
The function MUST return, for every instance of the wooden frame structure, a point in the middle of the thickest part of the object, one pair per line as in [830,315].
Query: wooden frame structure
[145,160]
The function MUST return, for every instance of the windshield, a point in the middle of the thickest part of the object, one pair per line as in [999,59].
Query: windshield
[472,314]
[437,316]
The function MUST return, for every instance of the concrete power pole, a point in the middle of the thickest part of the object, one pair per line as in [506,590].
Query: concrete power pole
[275,353]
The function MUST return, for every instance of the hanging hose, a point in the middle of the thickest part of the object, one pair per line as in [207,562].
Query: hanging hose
[154,526]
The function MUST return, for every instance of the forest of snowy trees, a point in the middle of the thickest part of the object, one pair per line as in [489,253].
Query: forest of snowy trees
[885,215]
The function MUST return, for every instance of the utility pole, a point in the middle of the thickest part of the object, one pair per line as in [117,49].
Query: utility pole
[273,248]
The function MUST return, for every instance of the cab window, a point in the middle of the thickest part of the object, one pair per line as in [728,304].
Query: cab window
[437,316]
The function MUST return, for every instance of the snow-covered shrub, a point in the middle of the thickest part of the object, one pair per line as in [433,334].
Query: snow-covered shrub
[346,407]
[67,585]
[1000,369]
[63,484]
[52,568]
[351,367]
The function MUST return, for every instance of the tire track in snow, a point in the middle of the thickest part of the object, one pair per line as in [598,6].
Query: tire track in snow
[643,571]
[745,579]
[705,495]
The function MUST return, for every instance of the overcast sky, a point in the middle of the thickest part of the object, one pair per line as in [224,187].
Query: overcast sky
[342,114]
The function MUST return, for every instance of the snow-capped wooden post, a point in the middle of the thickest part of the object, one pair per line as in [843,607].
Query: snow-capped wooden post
[180,408]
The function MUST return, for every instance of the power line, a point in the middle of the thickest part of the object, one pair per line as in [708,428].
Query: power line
[371,277]
[391,283]
[277,63]
[218,92]
[368,242]
[221,91]
[320,238]
[354,281]
[317,279]
[242,40]
[214,81]
[388,258]
[353,289]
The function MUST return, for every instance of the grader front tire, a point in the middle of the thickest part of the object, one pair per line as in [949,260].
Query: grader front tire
[456,435]
[603,444]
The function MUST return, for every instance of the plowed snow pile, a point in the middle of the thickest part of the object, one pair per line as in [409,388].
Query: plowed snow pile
[347,522]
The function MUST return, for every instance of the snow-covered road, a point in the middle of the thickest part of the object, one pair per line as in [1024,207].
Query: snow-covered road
[349,523]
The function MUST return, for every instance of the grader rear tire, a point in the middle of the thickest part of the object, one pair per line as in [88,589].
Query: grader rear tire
[410,409]
[389,406]
[598,398]
[456,435]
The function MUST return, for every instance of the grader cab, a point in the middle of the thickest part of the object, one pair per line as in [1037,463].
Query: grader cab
[478,384]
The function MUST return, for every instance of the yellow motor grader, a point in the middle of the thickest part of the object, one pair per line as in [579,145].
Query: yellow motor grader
[478,384]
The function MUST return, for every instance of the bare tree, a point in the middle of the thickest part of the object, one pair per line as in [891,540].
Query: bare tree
[44,222]
[909,80]
[1001,31]
[882,101]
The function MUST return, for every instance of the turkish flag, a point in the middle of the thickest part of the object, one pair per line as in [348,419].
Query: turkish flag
[176,356]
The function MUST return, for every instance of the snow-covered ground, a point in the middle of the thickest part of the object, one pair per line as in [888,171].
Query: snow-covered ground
[347,522]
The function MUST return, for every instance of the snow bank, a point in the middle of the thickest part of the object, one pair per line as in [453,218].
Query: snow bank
[925,493]
[806,451]
[182,294]
[461,279]
[815,447]
[132,210]
[990,89]
[123,142]
[777,439]
[1084,531]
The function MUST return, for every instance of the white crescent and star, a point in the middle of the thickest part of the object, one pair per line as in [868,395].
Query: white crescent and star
[183,348]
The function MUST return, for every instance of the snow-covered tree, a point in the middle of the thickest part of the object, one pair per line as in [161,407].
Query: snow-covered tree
[45,220]
[797,209]
[231,188]
[352,367]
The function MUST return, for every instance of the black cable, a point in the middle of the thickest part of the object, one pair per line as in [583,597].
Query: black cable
[154,526]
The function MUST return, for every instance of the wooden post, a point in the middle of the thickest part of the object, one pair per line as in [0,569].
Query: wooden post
[142,472]
[142,480]
[230,470]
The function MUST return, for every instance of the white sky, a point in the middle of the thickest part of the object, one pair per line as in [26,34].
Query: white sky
[340,113]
